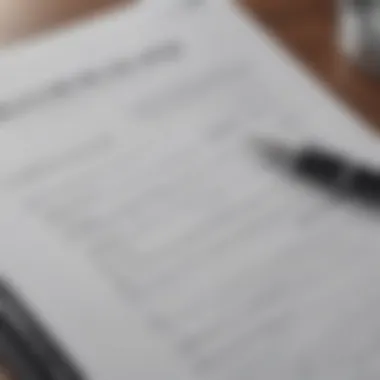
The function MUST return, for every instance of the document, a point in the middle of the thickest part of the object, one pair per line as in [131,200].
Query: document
[139,222]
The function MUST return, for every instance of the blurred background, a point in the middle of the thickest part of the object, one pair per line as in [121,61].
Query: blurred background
[307,27]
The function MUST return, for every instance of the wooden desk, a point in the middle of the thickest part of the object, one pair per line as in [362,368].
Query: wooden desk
[306,27]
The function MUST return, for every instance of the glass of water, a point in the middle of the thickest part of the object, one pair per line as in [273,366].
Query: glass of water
[359,32]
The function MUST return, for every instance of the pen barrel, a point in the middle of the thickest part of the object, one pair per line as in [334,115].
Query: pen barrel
[364,183]
[359,32]
[336,172]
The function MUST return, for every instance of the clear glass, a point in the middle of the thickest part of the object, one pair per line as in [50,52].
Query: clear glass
[359,32]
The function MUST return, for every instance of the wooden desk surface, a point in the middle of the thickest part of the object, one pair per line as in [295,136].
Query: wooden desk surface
[306,26]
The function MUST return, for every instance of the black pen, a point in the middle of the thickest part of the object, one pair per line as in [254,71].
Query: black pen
[325,168]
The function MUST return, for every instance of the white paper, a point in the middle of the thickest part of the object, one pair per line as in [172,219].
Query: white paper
[141,224]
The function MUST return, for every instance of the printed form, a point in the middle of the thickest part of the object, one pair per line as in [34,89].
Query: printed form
[139,221]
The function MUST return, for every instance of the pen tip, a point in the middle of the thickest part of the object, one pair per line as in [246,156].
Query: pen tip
[273,150]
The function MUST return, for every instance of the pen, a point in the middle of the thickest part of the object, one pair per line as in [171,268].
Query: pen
[325,168]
